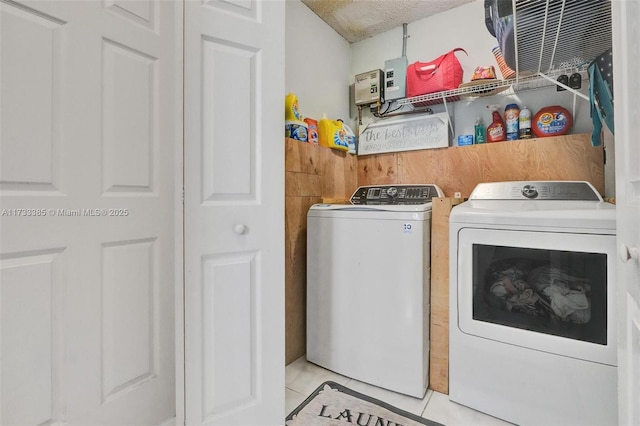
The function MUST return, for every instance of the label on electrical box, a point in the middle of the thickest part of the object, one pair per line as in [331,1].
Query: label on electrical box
[406,134]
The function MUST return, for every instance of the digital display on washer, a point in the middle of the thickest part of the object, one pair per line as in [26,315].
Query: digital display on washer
[373,193]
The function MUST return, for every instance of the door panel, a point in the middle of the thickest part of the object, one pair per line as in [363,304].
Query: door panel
[626,59]
[129,346]
[229,167]
[88,209]
[234,213]
[229,352]
[31,331]
[128,94]
[30,84]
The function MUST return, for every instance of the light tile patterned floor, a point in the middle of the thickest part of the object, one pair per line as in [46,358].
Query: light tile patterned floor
[303,377]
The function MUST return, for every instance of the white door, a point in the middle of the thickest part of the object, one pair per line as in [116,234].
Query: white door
[234,212]
[88,127]
[626,56]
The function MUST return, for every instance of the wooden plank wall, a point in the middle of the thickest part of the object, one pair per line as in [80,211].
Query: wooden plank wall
[313,174]
[460,169]
[439,329]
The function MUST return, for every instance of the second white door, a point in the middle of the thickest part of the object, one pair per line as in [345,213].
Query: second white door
[234,212]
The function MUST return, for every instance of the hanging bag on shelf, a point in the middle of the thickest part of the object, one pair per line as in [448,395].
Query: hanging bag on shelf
[443,73]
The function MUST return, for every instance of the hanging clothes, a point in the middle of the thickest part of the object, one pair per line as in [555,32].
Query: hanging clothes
[601,95]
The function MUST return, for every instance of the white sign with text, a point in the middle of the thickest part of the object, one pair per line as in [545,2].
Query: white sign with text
[405,134]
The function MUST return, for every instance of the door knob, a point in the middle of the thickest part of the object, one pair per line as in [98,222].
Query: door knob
[240,229]
[626,253]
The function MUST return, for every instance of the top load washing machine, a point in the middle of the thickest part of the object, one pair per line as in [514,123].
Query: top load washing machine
[368,276]
[532,319]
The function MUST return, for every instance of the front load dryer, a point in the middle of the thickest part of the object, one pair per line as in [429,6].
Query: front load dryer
[368,281]
[532,313]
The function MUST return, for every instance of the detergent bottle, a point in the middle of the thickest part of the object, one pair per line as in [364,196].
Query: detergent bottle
[351,138]
[511,118]
[524,130]
[496,130]
[291,111]
[312,130]
[332,134]
[480,133]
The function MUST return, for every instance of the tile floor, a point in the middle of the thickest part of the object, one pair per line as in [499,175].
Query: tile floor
[302,378]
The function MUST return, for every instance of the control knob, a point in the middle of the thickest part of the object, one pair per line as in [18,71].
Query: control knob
[529,191]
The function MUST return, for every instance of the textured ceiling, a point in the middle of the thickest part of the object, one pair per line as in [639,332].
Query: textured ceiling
[356,20]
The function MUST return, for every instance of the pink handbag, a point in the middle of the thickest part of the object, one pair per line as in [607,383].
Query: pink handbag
[443,73]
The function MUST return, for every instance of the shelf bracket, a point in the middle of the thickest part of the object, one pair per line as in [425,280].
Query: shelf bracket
[564,86]
[573,112]
[446,109]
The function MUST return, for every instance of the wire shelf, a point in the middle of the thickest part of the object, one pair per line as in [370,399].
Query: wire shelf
[509,86]
[553,34]
[552,37]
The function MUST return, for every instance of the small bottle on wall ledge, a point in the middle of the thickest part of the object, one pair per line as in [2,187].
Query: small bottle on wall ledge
[524,131]
[480,133]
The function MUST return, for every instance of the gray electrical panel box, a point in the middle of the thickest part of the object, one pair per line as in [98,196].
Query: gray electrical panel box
[395,78]
[369,88]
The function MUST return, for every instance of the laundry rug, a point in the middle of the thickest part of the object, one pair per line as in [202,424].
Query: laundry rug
[335,405]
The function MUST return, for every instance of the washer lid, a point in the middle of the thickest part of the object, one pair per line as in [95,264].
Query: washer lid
[416,208]
[536,190]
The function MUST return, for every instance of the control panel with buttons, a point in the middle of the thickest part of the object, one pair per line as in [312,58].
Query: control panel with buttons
[394,194]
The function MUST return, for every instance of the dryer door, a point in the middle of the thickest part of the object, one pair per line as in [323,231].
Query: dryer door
[548,291]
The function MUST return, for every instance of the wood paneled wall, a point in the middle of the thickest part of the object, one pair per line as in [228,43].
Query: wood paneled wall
[439,327]
[460,169]
[313,174]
